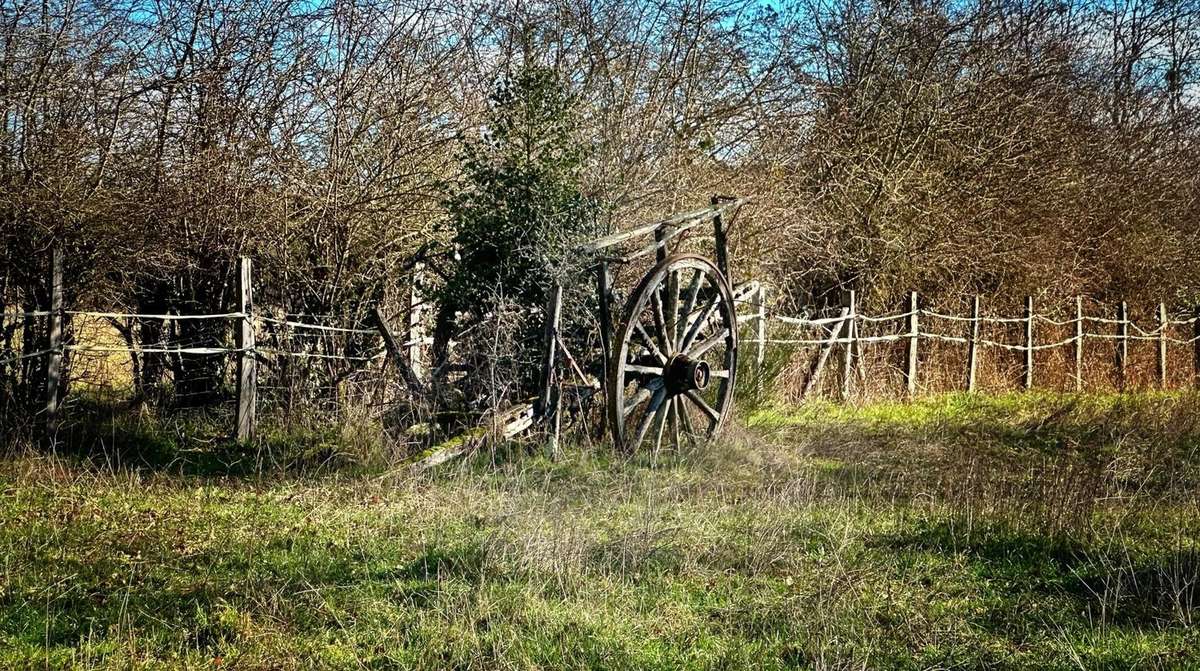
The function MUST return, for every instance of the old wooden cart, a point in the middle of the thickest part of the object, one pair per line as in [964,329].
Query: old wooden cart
[670,354]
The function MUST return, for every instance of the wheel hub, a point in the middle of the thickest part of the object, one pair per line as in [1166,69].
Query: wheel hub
[684,373]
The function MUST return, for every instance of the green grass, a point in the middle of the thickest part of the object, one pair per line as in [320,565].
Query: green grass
[1014,532]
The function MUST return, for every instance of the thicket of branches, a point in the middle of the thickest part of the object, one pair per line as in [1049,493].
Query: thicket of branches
[1000,148]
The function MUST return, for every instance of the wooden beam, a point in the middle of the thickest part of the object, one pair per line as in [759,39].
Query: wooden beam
[814,373]
[54,358]
[1028,382]
[416,325]
[247,387]
[851,329]
[914,334]
[1079,343]
[760,333]
[1162,345]
[973,346]
[1196,347]
[720,240]
[680,222]
[1122,354]
[549,349]
[398,354]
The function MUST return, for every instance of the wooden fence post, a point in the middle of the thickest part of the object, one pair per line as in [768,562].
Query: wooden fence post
[721,241]
[55,343]
[548,396]
[1162,345]
[973,345]
[1079,343]
[1196,347]
[1122,343]
[247,366]
[416,331]
[851,328]
[913,335]
[760,332]
[1029,342]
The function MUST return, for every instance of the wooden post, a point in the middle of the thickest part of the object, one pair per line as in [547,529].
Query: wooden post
[760,324]
[1029,342]
[973,346]
[720,241]
[1162,345]
[247,387]
[55,343]
[549,394]
[913,335]
[398,354]
[851,328]
[1196,347]
[1079,343]
[416,330]
[603,288]
[1122,343]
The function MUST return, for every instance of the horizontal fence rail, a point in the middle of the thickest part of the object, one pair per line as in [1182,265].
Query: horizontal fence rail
[915,326]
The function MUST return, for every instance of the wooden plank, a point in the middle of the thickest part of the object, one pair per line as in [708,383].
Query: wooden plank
[1028,383]
[498,426]
[680,222]
[1079,343]
[54,344]
[247,387]
[814,373]
[1122,354]
[914,334]
[1162,345]
[398,355]
[973,345]
[851,329]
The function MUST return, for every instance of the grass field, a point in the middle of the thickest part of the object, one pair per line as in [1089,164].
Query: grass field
[1013,532]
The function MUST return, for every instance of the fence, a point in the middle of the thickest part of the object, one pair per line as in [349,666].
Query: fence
[259,337]
[913,326]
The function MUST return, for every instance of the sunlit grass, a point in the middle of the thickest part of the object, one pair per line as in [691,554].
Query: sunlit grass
[947,533]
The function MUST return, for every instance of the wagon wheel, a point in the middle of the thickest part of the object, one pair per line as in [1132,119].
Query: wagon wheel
[675,356]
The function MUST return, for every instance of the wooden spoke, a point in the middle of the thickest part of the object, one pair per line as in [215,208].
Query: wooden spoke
[653,410]
[703,405]
[709,308]
[650,343]
[662,417]
[642,395]
[723,374]
[660,323]
[673,417]
[697,351]
[689,304]
[643,370]
[686,416]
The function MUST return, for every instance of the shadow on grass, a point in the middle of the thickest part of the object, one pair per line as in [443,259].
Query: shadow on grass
[1110,582]
[190,441]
